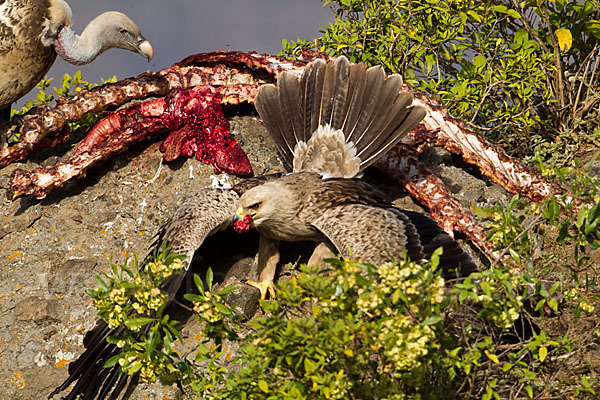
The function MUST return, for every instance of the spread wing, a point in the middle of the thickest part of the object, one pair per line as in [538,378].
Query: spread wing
[455,262]
[371,234]
[199,216]
[374,234]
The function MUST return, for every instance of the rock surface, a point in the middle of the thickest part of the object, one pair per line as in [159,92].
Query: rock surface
[50,250]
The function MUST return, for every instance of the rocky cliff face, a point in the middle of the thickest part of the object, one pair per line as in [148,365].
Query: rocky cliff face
[50,250]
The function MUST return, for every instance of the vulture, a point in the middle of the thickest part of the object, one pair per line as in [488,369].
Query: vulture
[330,123]
[33,32]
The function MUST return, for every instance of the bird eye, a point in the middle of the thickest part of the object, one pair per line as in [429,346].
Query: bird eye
[123,31]
[253,206]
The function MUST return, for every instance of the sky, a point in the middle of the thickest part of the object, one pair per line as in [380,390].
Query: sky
[178,28]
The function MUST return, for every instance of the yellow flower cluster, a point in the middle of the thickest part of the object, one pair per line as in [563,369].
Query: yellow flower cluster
[504,314]
[118,296]
[148,369]
[586,306]
[112,313]
[161,271]
[392,277]
[207,310]
[405,343]
[369,302]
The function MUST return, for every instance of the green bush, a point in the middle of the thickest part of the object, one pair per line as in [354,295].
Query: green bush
[69,88]
[351,331]
[496,64]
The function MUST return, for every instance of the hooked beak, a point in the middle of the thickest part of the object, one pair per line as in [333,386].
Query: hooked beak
[239,214]
[145,48]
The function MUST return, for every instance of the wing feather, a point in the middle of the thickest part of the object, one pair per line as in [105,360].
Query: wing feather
[371,234]
[455,262]
[199,216]
[267,105]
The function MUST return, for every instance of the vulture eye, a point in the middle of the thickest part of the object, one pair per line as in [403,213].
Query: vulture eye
[123,31]
[253,206]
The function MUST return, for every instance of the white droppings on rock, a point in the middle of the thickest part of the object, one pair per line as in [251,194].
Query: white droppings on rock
[156,175]
[143,204]
[191,171]
[220,182]
[64,356]
[109,224]
[40,359]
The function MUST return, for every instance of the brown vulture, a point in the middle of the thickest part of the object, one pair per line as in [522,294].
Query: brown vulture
[33,32]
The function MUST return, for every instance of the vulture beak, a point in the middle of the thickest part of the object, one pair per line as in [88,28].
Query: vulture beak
[145,48]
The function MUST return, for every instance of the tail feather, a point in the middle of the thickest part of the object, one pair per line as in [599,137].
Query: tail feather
[396,103]
[327,95]
[340,97]
[371,110]
[312,84]
[403,120]
[290,104]
[356,95]
[375,78]
[267,105]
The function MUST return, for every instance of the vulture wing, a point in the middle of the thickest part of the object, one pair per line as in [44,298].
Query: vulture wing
[24,59]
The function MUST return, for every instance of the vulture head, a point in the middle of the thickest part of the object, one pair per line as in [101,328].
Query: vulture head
[32,33]
[108,30]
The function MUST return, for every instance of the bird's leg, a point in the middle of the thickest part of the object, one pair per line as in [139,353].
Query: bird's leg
[321,252]
[268,257]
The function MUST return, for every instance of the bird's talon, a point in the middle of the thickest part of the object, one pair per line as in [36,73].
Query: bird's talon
[265,288]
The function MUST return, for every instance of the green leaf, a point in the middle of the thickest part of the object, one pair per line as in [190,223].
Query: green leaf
[476,17]
[113,360]
[432,320]
[209,279]
[513,13]
[138,322]
[309,366]
[193,297]
[543,352]
[133,367]
[199,284]
[101,284]
[479,61]
[227,290]
[492,356]
[223,309]
[263,385]
[593,27]
[521,36]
